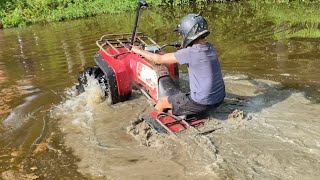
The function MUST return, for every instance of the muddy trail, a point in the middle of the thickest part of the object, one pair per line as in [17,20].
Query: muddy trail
[261,131]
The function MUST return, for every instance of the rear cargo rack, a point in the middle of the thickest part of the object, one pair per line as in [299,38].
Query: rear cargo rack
[116,41]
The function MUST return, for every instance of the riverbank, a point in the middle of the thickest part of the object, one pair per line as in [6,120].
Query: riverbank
[19,13]
[300,15]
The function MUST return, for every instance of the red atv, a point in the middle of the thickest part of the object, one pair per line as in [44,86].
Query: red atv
[118,70]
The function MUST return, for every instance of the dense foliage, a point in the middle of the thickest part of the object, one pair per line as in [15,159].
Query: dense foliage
[21,12]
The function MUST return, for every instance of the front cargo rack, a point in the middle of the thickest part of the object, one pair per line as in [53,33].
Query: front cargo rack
[116,41]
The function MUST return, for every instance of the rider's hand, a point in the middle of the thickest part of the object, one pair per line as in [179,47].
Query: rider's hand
[136,49]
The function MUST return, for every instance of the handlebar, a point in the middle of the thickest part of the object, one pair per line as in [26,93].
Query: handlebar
[175,44]
[141,4]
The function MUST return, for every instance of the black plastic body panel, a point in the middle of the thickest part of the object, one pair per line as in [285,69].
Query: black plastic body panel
[176,75]
[167,86]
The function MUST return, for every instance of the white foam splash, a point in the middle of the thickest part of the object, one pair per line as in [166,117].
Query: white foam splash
[95,94]
[79,107]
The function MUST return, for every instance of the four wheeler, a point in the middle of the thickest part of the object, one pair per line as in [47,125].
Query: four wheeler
[118,70]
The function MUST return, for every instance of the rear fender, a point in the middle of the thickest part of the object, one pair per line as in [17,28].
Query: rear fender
[120,86]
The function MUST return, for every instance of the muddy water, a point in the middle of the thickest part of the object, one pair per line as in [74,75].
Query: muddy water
[264,130]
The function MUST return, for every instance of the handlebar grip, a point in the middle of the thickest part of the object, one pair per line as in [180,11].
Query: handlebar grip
[143,3]
[176,44]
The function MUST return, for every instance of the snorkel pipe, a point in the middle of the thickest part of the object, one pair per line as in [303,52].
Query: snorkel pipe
[141,4]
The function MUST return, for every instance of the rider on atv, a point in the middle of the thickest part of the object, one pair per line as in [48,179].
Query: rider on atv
[207,89]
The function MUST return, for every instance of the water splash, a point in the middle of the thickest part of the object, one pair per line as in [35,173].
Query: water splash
[79,107]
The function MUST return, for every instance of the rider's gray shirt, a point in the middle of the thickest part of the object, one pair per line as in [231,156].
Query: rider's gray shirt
[206,82]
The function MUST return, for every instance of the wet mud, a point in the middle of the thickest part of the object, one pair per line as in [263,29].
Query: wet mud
[261,131]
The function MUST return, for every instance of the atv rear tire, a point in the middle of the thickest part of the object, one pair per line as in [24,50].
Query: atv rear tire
[97,73]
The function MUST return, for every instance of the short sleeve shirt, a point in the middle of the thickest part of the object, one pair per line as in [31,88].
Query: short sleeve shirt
[206,81]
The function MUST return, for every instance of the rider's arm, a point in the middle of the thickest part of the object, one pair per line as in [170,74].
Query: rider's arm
[167,58]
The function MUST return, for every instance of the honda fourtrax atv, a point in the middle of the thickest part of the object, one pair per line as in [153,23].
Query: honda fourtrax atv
[118,70]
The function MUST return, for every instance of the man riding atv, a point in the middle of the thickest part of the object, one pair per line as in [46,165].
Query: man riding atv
[207,89]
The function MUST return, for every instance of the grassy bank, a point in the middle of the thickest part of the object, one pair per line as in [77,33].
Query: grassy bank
[15,13]
[297,18]
[21,12]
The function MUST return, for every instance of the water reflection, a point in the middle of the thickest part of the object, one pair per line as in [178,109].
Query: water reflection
[82,57]
[68,56]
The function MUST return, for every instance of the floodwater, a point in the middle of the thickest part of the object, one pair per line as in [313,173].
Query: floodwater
[268,127]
